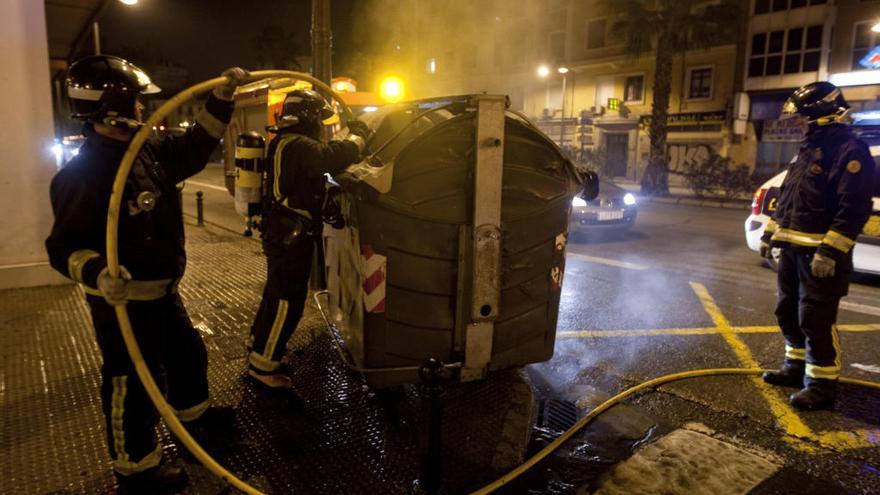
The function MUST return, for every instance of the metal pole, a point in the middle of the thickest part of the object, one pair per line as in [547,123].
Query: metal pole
[322,40]
[96,36]
[200,208]
[431,375]
[562,119]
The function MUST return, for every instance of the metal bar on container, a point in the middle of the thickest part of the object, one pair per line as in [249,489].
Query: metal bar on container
[486,255]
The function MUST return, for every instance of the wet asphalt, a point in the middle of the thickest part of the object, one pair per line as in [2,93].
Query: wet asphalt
[618,284]
[670,249]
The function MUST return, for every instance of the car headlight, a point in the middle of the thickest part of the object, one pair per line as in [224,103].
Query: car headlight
[578,201]
[629,199]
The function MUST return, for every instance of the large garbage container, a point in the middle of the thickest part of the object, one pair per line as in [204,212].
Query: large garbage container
[422,268]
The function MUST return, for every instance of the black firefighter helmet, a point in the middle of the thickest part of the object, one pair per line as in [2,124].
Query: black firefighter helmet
[104,88]
[301,106]
[822,103]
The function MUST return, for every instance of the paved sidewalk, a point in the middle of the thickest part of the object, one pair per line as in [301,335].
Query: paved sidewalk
[337,437]
[684,196]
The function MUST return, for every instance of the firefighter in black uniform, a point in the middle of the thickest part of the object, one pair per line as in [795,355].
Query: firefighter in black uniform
[104,92]
[825,201]
[292,222]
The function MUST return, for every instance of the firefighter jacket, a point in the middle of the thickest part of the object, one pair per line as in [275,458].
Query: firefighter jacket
[296,182]
[151,237]
[825,199]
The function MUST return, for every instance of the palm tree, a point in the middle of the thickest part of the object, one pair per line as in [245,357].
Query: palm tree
[669,28]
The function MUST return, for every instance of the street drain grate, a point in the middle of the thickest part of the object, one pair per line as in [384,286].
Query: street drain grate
[554,418]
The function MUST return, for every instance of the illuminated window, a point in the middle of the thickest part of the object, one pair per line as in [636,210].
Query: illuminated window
[634,89]
[700,83]
[864,40]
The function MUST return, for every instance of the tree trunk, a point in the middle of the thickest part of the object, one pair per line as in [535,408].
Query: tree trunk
[655,180]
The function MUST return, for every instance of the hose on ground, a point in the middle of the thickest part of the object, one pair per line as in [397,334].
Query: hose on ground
[613,401]
[131,344]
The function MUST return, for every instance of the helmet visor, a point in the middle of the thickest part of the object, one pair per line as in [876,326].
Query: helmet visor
[146,85]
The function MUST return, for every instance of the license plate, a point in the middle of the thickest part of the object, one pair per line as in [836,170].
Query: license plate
[604,216]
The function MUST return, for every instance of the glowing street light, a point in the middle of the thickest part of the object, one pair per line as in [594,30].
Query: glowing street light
[543,71]
[876,27]
[562,70]
[129,2]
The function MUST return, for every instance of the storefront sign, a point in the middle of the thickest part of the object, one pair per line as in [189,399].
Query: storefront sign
[783,131]
[688,118]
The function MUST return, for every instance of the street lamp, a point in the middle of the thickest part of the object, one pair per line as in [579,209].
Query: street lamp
[876,27]
[543,72]
[129,2]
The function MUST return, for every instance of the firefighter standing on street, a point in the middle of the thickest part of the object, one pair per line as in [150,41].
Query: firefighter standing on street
[825,201]
[292,222]
[104,92]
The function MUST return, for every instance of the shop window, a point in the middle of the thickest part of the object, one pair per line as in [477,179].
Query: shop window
[700,83]
[786,52]
[596,33]
[634,89]
[864,40]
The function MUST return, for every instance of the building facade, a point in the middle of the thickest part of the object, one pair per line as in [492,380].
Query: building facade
[564,66]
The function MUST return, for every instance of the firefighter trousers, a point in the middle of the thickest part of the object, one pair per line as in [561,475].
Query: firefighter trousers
[177,358]
[807,312]
[284,297]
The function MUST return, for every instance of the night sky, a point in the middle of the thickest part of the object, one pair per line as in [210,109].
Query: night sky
[206,36]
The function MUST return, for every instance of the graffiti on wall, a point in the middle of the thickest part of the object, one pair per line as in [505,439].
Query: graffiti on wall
[679,154]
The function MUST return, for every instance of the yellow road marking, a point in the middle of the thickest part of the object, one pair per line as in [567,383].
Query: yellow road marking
[585,334]
[785,415]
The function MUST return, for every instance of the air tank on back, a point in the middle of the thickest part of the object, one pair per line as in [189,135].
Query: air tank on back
[454,244]
[250,164]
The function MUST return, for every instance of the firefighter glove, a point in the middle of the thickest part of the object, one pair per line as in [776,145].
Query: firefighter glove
[822,266]
[114,290]
[359,128]
[766,251]
[237,77]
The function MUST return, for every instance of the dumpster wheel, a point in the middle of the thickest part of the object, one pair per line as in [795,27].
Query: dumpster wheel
[613,401]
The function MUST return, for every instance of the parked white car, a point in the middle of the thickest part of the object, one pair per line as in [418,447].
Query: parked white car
[866,254]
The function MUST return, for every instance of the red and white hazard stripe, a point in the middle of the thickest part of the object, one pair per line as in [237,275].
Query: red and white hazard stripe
[374,266]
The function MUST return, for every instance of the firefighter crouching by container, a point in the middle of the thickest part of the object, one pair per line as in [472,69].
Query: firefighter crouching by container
[292,221]
[104,92]
[824,203]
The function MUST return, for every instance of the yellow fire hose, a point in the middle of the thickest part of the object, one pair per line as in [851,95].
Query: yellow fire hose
[608,404]
[164,408]
[131,344]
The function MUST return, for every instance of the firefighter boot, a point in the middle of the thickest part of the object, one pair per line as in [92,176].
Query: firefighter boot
[818,394]
[278,379]
[214,431]
[164,478]
[791,374]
